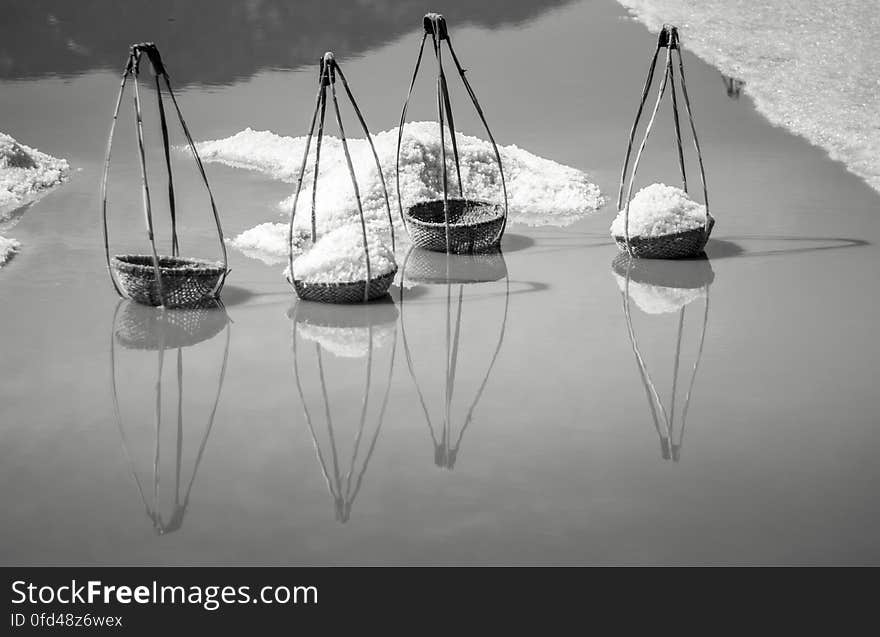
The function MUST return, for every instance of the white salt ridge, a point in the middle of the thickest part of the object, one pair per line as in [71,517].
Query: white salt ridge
[8,247]
[25,174]
[659,299]
[339,257]
[659,210]
[810,66]
[347,342]
[540,191]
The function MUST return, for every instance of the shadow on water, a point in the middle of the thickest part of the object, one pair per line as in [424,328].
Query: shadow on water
[150,329]
[665,287]
[454,272]
[516,242]
[352,332]
[738,246]
[219,42]
[234,295]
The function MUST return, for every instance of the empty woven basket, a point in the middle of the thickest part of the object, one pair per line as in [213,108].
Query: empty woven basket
[169,281]
[456,225]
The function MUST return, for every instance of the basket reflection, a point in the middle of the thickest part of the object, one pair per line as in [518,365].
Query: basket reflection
[347,333]
[141,329]
[456,273]
[665,287]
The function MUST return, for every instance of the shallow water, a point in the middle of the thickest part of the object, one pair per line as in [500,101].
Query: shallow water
[559,460]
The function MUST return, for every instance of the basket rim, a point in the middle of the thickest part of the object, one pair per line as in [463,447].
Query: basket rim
[143,264]
[634,238]
[332,285]
[477,204]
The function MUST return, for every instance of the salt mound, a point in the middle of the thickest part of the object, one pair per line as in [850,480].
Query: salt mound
[348,342]
[8,247]
[810,66]
[659,210]
[339,257]
[25,174]
[540,191]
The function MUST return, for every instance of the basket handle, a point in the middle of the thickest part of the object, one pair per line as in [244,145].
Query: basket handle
[479,109]
[328,69]
[668,39]
[106,174]
[132,68]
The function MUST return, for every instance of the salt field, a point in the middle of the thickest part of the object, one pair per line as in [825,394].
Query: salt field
[552,403]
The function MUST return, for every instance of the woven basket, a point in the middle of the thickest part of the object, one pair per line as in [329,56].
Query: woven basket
[681,245]
[169,281]
[351,292]
[185,282]
[474,226]
[146,328]
[431,268]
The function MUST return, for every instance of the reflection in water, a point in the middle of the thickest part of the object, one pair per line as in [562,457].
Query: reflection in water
[218,42]
[733,86]
[140,327]
[455,272]
[354,331]
[659,287]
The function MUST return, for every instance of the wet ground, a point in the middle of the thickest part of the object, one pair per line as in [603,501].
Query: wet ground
[519,409]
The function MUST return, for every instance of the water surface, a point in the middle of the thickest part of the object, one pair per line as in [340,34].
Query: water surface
[546,445]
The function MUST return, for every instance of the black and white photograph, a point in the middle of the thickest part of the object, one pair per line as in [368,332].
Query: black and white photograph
[384,283]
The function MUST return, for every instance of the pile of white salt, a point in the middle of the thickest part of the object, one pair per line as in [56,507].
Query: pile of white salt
[8,247]
[25,175]
[339,257]
[659,210]
[540,191]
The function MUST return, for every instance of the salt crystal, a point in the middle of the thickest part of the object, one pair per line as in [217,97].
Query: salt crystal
[540,191]
[8,247]
[339,257]
[659,210]
[25,174]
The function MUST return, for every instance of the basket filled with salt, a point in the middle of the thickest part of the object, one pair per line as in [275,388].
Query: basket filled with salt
[357,332]
[662,222]
[137,327]
[453,224]
[154,279]
[657,288]
[444,436]
[348,264]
